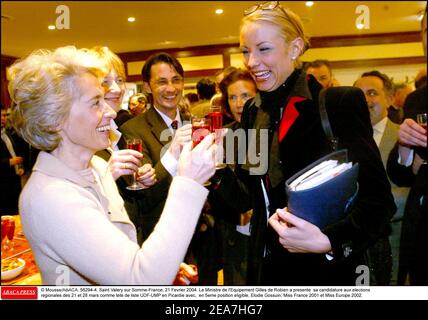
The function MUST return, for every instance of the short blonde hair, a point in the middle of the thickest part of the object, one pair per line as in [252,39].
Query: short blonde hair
[43,87]
[288,23]
[111,59]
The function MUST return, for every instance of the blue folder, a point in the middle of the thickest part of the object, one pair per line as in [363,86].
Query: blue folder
[328,202]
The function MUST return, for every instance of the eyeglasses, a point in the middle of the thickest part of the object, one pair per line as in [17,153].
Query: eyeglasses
[271,5]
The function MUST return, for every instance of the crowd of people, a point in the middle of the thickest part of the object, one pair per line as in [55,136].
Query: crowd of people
[67,156]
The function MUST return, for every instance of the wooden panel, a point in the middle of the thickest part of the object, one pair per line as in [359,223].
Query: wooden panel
[182,52]
[370,63]
[187,74]
[367,39]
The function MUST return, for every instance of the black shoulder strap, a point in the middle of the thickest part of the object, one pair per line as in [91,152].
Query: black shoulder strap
[325,122]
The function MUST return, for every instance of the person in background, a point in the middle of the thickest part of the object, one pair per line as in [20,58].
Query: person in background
[192,99]
[71,211]
[164,131]
[122,163]
[421,78]
[284,249]
[217,100]
[206,90]
[378,88]
[236,89]
[163,81]
[407,166]
[219,76]
[400,93]
[137,104]
[14,165]
[114,82]
[321,70]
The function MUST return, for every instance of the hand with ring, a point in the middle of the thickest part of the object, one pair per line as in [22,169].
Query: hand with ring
[146,176]
[124,162]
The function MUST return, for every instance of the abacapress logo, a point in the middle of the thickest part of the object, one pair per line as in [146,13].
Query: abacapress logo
[13,292]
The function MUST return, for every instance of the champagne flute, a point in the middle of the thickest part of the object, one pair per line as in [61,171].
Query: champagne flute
[201,127]
[7,232]
[421,119]
[137,145]
[216,117]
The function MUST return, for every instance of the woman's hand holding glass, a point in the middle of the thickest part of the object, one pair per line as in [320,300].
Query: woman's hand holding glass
[124,162]
[146,176]
[198,163]
[298,235]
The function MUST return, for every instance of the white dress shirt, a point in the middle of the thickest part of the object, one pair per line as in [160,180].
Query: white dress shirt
[168,160]
[378,130]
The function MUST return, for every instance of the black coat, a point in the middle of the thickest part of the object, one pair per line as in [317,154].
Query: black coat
[305,142]
[10,182]
[413,259]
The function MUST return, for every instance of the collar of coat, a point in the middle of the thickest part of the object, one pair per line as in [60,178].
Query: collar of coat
[300,89]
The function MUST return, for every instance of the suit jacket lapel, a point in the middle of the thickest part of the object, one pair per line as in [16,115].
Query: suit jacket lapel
[157,125]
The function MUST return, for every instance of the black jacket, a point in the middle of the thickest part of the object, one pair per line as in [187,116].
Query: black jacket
[10,182]
[305,142]
[413,259]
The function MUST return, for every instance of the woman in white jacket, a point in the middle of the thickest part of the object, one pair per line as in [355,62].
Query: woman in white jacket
[71,211]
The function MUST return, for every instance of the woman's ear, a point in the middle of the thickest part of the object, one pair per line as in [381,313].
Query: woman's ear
[296,48]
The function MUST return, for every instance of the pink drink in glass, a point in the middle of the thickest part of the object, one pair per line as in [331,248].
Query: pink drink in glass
[199,132]
[137,146]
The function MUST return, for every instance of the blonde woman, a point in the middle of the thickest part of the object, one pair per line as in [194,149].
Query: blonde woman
[284,249]
[70,208]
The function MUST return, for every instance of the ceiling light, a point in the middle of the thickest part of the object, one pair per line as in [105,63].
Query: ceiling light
[131,19]
[219,11]
[309,3]
[360,26]
[51,27]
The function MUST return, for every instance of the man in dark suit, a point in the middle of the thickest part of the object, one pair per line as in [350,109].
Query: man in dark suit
[163,79]
[407,166]
[14,152]
[378,90]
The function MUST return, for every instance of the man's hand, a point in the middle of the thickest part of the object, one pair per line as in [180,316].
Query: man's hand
[412,134]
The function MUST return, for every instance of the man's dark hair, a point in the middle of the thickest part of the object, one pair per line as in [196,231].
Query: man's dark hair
[387,83]
[159,58]
[317,64]
[206,88]
[192,97]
